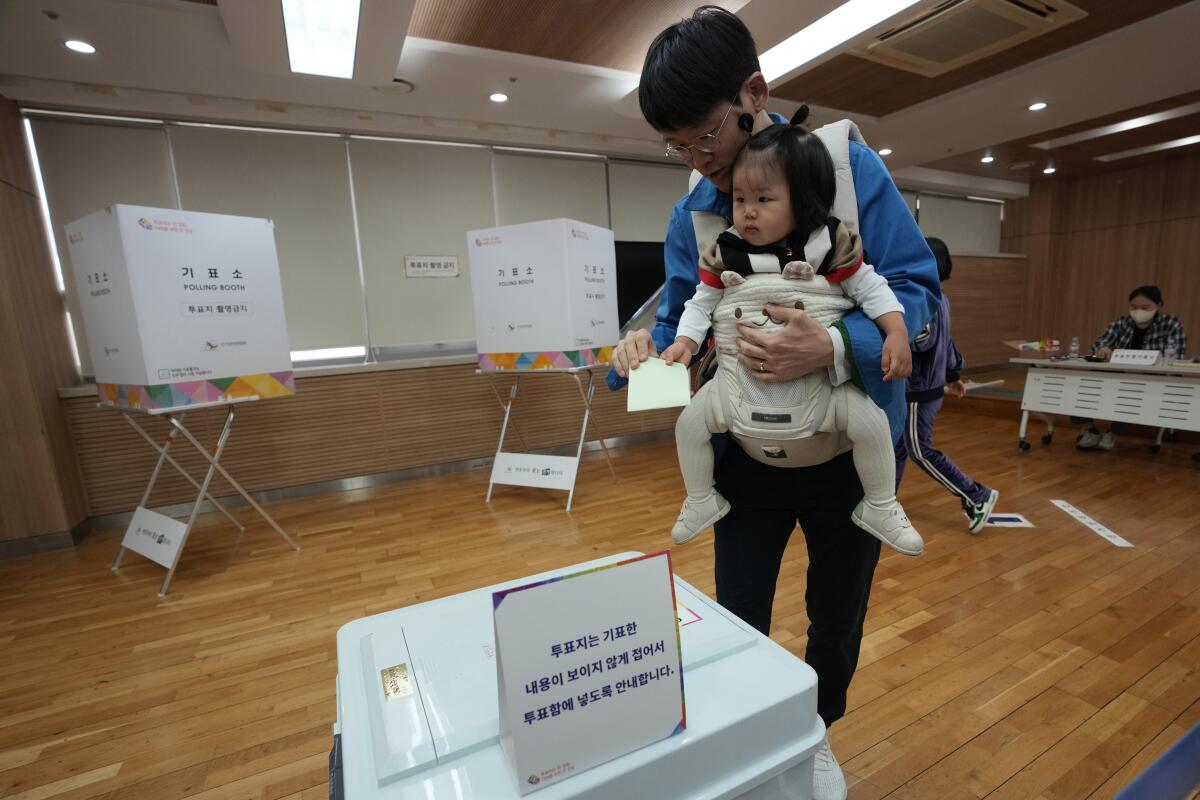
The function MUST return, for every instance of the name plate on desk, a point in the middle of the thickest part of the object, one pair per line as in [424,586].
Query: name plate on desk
[589,668]
[1134,358]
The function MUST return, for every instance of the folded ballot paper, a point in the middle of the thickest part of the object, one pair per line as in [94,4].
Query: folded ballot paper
[655,385]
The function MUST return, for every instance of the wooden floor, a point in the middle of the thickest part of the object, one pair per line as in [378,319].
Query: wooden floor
[1022,663]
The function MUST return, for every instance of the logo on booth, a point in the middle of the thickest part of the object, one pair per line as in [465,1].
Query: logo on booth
[578,234]
[486,240]
[145,223]
[534,780]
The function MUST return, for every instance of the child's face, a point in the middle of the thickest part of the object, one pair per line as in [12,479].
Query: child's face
[762,204]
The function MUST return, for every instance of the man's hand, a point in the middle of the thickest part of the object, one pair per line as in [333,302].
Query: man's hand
[631,351]
[1105,353]
[957,388]
[801,346]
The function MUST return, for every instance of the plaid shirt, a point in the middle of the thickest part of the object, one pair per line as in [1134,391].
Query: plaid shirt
[1164,331]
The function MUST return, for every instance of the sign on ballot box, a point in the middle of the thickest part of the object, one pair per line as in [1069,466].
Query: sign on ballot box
[545,295]
[589,668]
[180,307]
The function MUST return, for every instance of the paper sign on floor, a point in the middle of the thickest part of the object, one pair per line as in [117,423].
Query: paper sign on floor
[589,668]
[1008,521]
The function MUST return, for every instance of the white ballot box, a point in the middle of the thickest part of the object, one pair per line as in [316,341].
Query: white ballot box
[545,295]
[180,307]
[418,716]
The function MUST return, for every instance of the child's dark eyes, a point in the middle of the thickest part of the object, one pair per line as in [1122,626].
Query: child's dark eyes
[764,199]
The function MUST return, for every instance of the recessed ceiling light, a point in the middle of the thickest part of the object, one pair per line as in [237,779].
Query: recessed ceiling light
[79,46]
[498,97]
[986,160]
[1038,106]
[1048,171]
[321,36]
[887,151]
[842,24]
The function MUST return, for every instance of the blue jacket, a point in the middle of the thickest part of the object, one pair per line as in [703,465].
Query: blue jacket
[936,361]
[892,242]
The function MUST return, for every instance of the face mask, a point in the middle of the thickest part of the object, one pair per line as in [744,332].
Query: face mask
[1141,316]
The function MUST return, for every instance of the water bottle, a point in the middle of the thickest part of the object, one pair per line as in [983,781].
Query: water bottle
[1074,347]
[1169,354]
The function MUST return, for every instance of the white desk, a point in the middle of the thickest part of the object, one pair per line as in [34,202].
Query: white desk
[1161,396]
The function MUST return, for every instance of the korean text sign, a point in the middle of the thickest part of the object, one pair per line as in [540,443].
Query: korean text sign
[589,668]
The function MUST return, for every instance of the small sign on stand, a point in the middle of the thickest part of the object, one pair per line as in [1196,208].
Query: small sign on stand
[589,668]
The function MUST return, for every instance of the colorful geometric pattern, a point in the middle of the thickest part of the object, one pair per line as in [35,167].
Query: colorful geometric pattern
[186,393]
[565,359]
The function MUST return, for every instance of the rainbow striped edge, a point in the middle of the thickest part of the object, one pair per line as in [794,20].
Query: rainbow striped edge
[544,359]
[263,385]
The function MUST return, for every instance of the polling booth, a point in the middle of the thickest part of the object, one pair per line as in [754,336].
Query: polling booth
[183,310]
[608,679]
[545,301]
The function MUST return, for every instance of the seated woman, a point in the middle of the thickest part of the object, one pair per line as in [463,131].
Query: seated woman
[1145,327]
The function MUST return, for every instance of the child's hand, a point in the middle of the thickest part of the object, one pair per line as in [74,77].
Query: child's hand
[897,358]
[681,351]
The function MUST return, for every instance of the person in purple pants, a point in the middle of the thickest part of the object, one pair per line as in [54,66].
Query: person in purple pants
[936,367]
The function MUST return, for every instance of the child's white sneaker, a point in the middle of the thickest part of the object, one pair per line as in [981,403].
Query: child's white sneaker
[696,515]
[890,525]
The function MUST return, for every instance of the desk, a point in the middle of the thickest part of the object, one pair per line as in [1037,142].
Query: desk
[1160,396]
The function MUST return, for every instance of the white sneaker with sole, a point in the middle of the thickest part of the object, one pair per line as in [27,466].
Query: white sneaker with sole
[696,515]
[1108,441]
[890,525]
[828,781]
[978,514]
[1087,440]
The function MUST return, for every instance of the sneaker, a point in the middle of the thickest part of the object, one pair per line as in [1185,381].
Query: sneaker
[696,515]
[1088,439]
[889,525]
[1108,440]
[979,513]
[828,781]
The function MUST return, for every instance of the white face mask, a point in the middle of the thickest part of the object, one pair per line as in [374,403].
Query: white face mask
[1141,315]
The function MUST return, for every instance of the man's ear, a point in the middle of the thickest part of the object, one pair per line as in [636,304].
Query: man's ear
[756,85]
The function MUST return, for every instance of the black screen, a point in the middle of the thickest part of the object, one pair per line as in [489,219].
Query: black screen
[640,271]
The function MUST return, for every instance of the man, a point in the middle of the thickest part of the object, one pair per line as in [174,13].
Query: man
[701,88]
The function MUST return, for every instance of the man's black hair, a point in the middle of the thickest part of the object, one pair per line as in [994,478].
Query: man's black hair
[1151,293]
[941,254]
[806,166]
[694,65]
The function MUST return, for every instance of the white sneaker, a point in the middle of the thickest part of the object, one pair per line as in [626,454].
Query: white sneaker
[1087,440]
[978,514]
[889,525]
[1108,441]
[828,781]
[696,515]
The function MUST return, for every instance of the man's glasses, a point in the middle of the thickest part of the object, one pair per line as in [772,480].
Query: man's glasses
[708,143]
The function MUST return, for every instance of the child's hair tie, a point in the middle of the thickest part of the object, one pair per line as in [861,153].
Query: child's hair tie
[799,117]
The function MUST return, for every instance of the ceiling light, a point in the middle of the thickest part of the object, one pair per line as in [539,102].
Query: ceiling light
[498,97]
[1151,148]
[79,46]
[887,151]
[321,36]
[838,26]
[1038,106]
[1048,171]
[1120,127]
[986,160]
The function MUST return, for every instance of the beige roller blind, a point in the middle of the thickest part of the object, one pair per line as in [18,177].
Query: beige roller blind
[531,188]
[302,183]
[966,226]
[86,167]
[642,196]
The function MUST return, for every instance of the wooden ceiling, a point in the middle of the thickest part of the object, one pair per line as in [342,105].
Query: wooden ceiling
[1079,158]
[854,84]
[605,33]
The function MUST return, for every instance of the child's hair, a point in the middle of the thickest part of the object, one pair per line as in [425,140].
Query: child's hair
[1151,293]
[693,65]
[805,163]
[941,255]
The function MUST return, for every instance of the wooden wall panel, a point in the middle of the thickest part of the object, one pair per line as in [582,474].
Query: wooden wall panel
[42,491]
[343,426]
[986,299]
[1090,241]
